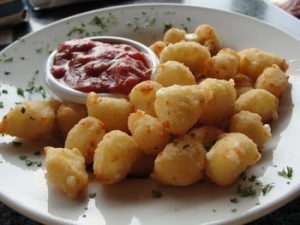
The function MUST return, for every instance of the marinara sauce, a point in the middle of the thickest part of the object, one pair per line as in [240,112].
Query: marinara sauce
[86,65]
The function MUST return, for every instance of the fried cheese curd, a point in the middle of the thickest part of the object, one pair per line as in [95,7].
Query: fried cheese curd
[85,136]
[142,96]
[157,47]
[66,170]
[174,35]
[113,112]
[224,65]
[181,163]
[250,124]
[219,100]
[172,72]
[69,114]
[114,157]
[232,154]
[259,101]
[253,61]
[29,120]
[273,79]
[191,54]
[149,133]
[207,36]
[178,107]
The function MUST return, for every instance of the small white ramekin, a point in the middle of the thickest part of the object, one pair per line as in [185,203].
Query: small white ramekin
[66,93]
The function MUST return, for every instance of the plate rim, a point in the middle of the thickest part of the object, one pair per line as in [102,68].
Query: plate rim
[156,4]
[255,213]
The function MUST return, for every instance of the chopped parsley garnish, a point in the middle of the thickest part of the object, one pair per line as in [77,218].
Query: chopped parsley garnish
[22,58]
[6,73]
[20,92]
[288,173]
[80,29]
[4,91]
[8,60]
[169,13]
[1,105]
[233,210]
[42,91]
[103,22]
[188,19]
[92,195]
[266,188]
[214,210]
[156,194]
[17,143]
[32,88]
[99,22]
[39,163]
[28,162]
[23,157]
[39,50]
[167,26]
[247,191]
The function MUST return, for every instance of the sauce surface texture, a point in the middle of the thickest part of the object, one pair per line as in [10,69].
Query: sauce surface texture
[86,65]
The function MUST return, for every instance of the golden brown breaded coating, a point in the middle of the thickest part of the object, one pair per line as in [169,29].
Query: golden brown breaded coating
[114,157]
[250,124]
[172,72]
[30,120]
[181,163]
[258,101]
[229,157]
[253,61]
[85,136]
[178,107]
[191,54]
[66,170]
[113,112]
[149,133]
[273,79]
[143,96]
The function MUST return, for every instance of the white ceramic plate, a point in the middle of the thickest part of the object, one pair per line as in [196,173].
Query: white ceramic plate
[25,189]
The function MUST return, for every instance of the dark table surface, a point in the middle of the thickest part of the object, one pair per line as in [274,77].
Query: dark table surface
[263,10]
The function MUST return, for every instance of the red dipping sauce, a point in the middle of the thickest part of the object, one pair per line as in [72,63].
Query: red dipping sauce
[86,65]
